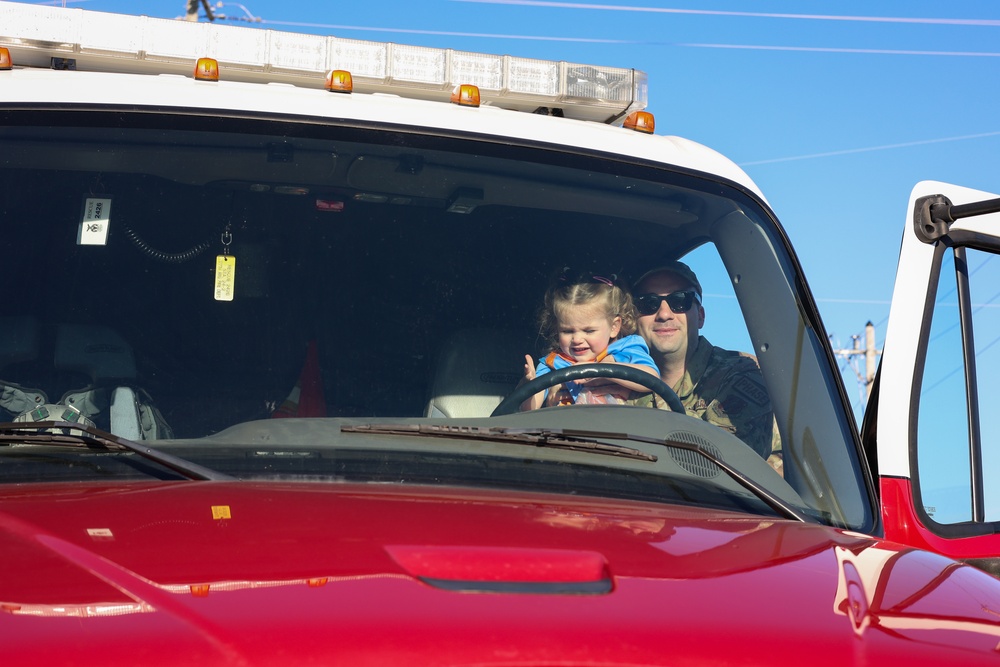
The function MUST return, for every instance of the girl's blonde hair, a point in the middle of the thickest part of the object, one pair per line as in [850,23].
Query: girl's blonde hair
[569,289]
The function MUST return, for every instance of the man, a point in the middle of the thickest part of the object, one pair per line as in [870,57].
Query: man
[720,386]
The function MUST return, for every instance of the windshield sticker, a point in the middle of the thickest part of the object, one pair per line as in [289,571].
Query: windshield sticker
[95,222]
[225,277]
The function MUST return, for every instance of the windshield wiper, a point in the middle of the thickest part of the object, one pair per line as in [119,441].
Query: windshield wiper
[583,440]
[70,434]
[538,437]
[767,497]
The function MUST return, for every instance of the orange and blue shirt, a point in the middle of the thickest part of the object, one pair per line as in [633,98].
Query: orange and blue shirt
[627,350]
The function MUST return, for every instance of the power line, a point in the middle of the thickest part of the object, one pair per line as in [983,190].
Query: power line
[249,17]
[867,149]
[841,49]
[767,15]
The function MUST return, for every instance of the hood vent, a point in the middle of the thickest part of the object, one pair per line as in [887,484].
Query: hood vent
[506,569]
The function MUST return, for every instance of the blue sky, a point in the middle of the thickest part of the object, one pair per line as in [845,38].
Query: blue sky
[836,109]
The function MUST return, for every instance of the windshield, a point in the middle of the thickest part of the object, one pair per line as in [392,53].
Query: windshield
[236,292]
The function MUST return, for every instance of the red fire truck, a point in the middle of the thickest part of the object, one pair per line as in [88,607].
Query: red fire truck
[272,321]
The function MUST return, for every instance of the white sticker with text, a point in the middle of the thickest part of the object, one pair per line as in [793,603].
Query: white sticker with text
[95,222]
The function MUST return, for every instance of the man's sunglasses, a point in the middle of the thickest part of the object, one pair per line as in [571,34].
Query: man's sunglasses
[679,302]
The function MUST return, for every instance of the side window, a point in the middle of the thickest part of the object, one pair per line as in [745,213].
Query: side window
[724,323]
[958,430]
[745,406]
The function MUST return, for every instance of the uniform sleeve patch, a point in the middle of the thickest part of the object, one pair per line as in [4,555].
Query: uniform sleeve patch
[751,390]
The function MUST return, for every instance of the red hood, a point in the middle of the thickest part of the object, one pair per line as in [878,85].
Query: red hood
[239,573]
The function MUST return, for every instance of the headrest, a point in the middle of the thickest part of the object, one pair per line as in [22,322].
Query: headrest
[476,369]
[95,350]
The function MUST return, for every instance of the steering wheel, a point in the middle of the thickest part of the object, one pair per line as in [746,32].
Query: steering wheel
[512,403]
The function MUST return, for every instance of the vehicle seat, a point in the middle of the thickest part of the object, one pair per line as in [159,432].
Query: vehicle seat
[475,370]
[96,351]
[105,357]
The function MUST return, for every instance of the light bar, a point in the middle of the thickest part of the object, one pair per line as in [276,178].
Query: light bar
[100,41]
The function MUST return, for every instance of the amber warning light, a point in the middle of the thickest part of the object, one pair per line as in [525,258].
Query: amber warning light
[5,61]
[339,81]
[640,121]
[465,95]
[207,69]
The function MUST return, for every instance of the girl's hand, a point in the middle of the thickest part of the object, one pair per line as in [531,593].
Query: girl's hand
[535,401]
[529,368]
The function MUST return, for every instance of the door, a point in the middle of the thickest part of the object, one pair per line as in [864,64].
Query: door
[935,417]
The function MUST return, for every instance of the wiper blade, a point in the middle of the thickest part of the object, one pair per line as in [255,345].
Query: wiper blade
[584,440]
[767,497]
[537,437]
[70,434]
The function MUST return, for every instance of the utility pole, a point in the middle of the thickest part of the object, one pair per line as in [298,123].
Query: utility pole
[192,10]
[868,352]
[216,14]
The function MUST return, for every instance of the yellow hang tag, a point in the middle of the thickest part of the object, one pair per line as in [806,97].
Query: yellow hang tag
[225,277]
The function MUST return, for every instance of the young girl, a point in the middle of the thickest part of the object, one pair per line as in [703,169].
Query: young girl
[588,319]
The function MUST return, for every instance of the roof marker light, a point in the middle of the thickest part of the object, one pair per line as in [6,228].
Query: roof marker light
[5,61]
[465,95]
[640,121]
[207,69]
[339,81]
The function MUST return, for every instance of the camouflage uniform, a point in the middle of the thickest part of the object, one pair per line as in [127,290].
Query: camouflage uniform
[725,388]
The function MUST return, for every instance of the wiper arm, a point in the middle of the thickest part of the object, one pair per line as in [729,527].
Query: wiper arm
[80,435]
[769,498]
[537,437]
[583,440]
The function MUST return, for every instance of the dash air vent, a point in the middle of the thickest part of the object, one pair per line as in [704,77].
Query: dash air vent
[691,461]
